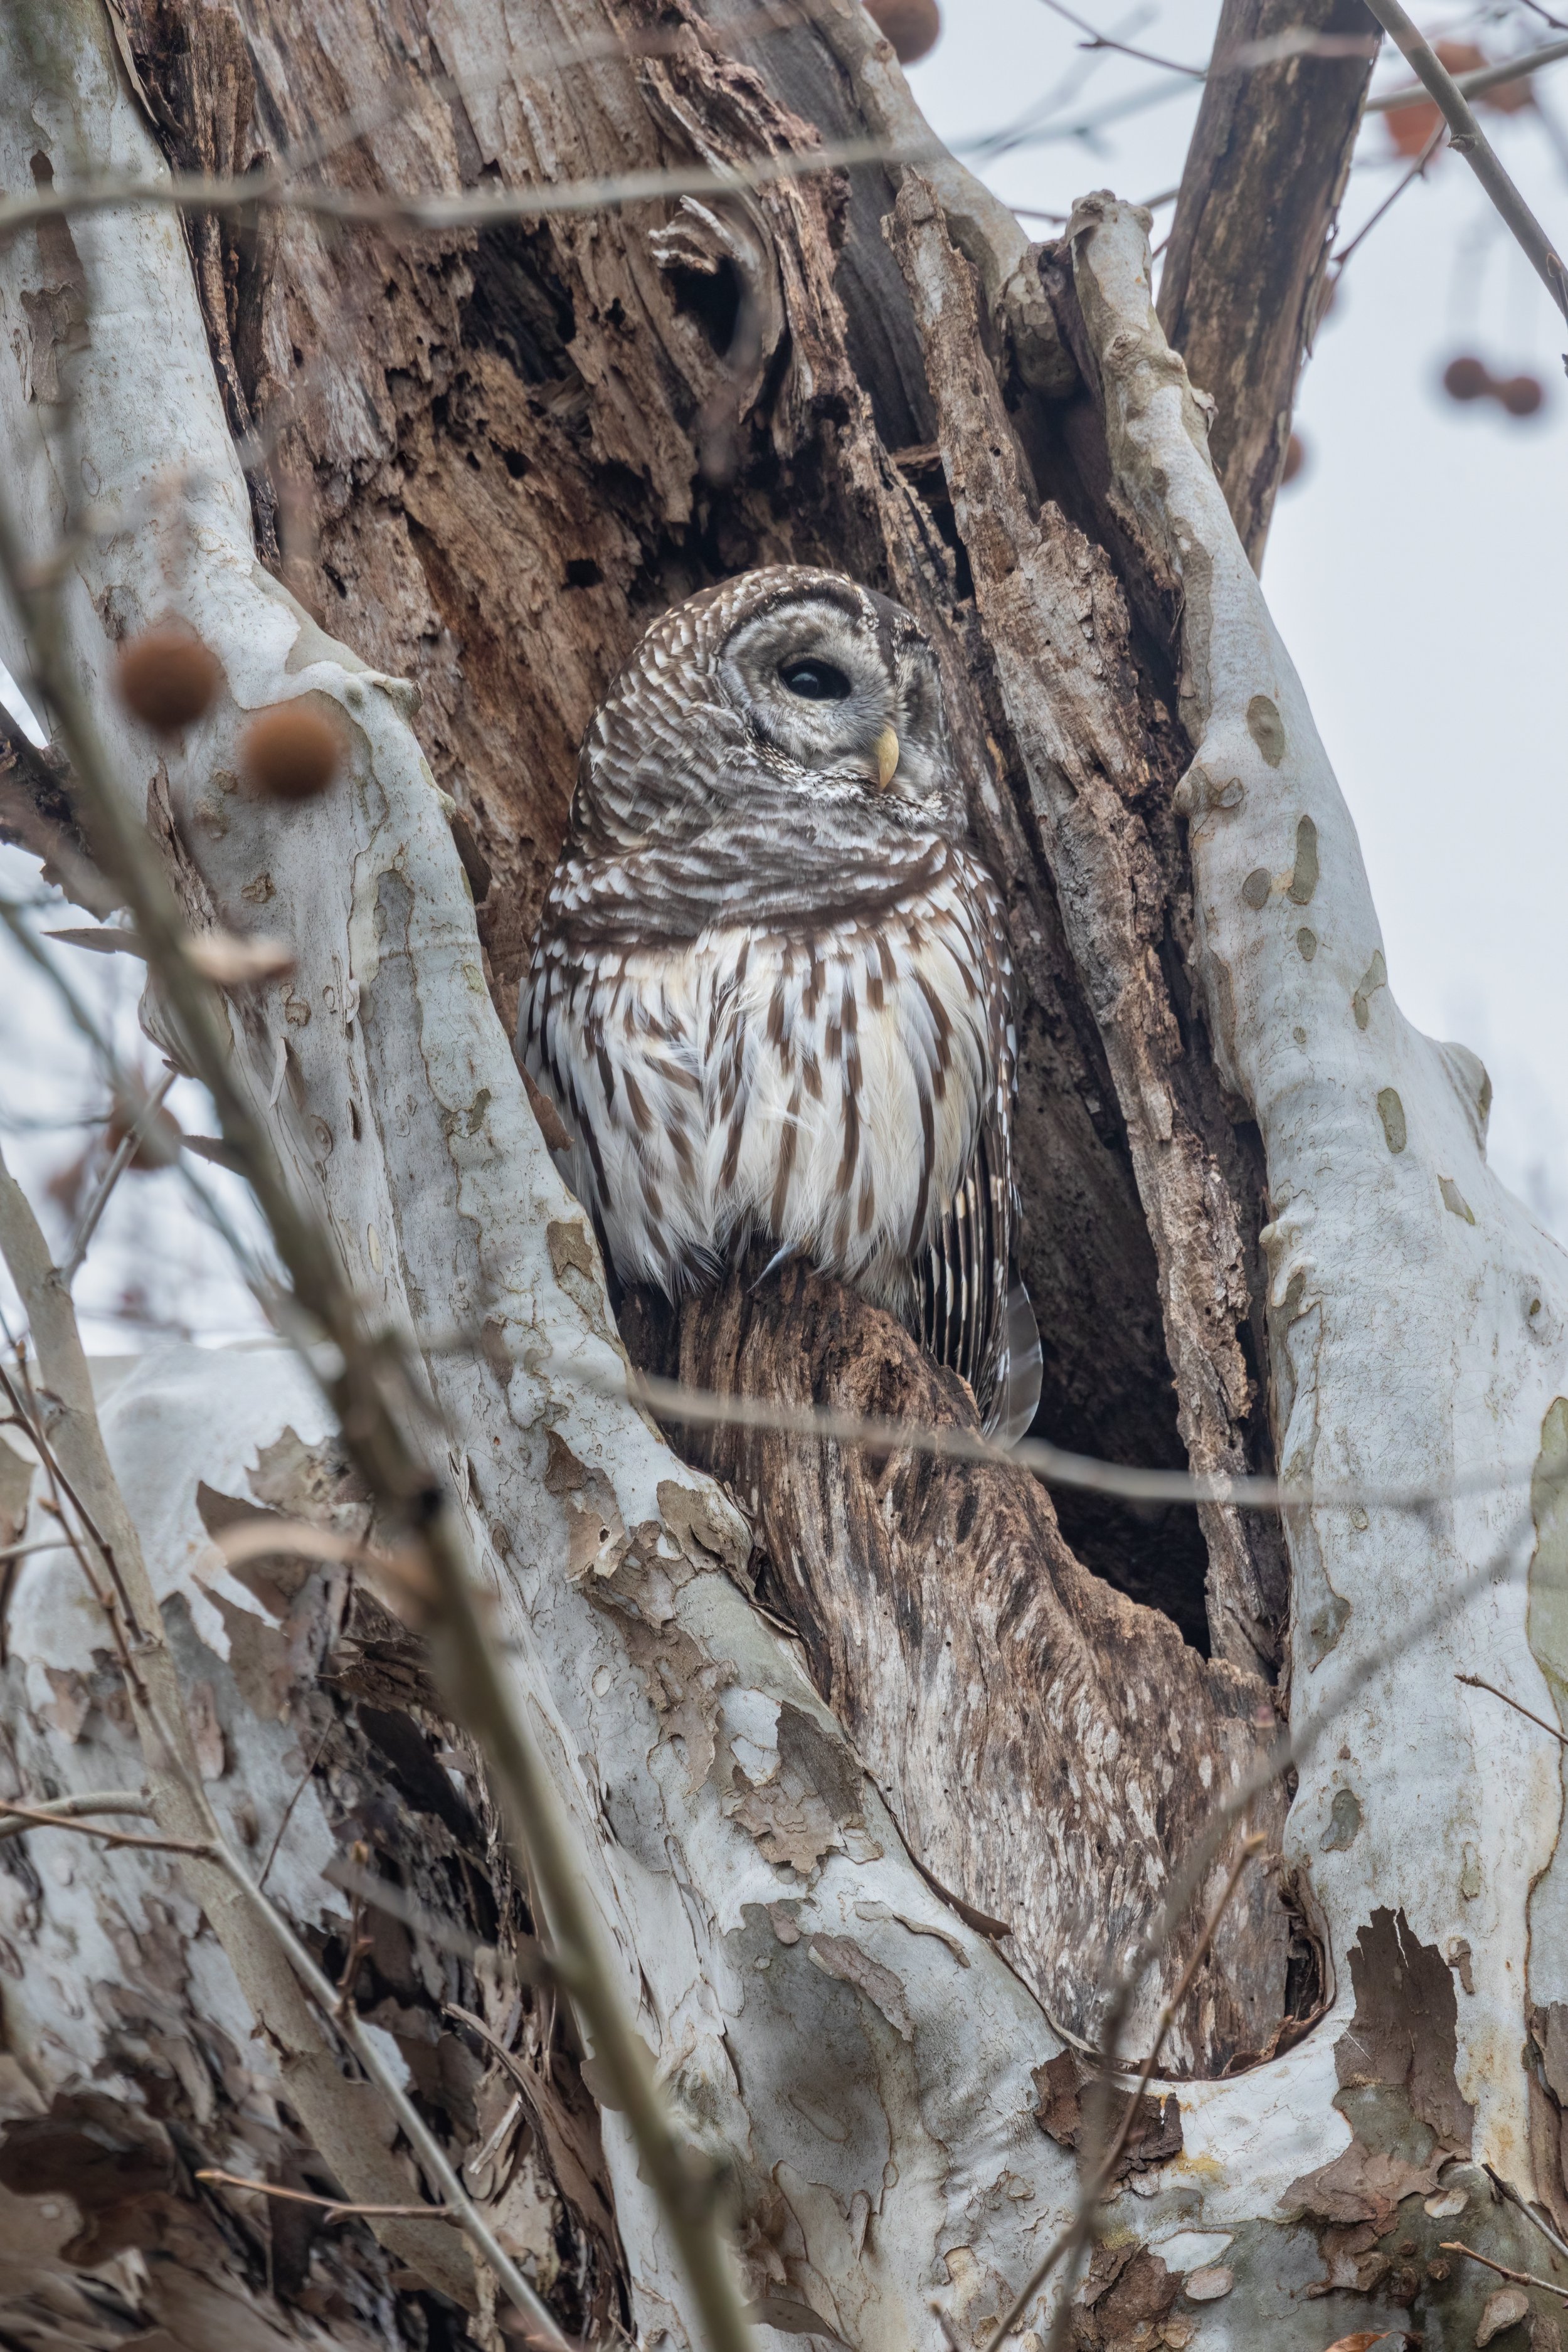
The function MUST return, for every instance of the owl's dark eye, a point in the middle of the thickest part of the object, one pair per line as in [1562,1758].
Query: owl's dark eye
[815,681]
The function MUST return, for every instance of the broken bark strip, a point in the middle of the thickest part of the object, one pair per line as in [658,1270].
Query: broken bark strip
[1245,269]
[1050,1749]
[1057,624]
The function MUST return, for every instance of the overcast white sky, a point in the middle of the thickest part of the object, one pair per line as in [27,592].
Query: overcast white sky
[1416,570]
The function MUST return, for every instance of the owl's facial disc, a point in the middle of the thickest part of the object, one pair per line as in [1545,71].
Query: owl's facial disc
[817,683]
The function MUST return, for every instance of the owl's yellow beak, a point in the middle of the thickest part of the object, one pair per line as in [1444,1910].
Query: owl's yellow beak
[885,751]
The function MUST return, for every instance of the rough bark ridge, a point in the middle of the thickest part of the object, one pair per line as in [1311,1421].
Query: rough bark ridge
[862,2058]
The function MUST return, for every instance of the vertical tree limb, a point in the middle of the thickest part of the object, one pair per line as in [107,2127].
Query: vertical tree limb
[1245,269]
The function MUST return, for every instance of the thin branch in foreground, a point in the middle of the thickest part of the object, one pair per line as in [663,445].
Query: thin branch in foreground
[68,1808]
[335,2208]
[439,209]
[41,1817]
[1097,41]
[1470,140]
[1478,1682]
[371,1390]
[1520,2278]
[1250,1850]
[1053,1465]
[1476,83]
[1417,172]
[125,1151]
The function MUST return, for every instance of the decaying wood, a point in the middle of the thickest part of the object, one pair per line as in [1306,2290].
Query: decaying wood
[1244,277]
[1048,1747]
[1057,626]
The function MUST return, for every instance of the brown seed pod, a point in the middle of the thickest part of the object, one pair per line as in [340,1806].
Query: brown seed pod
[1521,395]
[913,27]
[292,752]
[167,678]
[1295,457]
[1466,378]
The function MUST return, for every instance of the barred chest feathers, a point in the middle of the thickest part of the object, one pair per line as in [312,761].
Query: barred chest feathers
[824,1089]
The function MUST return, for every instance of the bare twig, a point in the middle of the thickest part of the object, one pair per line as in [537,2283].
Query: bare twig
[1252,1847]
[437,209]
[67,1809]
[125,1151]
[301,1786]
[1097,41]
[1520,2278]
[1478,1682]
[43,1817]
[1470,140]
[1054,1465]
[336,2207]
[1506,2189]
[1476,84]
[1417,172]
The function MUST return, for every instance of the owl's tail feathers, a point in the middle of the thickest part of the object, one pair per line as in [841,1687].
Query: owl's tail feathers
[1019,1400]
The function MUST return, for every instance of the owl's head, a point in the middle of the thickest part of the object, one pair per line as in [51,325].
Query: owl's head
[786,681]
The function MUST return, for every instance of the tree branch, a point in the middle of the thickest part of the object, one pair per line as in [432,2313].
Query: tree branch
[1467,139]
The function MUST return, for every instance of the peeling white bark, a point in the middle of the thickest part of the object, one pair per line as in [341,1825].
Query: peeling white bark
[870,2078]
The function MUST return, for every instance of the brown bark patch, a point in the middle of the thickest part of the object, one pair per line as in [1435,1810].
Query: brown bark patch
[1395,2064]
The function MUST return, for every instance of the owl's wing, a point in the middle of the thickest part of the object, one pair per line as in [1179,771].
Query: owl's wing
[972,1312]
[974,1315]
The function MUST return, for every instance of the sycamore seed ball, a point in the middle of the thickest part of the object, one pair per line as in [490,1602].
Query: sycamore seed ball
[292,753]
[167,678]
[913,27]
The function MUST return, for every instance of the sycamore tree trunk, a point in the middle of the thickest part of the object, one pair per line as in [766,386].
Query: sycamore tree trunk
[879,1767]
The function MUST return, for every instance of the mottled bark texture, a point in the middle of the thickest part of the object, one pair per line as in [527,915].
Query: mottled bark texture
[1245,280]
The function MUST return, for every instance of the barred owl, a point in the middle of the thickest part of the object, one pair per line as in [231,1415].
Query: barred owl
[769,996]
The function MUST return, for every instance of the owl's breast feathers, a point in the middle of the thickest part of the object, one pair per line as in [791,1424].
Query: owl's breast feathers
[748,1036]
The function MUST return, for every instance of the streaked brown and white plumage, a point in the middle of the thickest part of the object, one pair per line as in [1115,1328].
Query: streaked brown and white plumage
[770,991]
